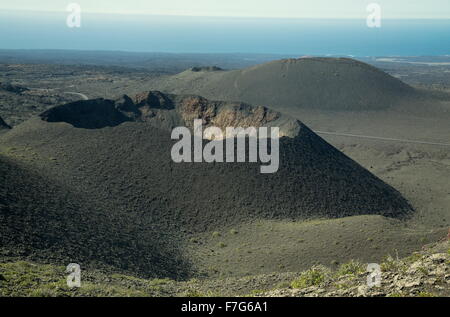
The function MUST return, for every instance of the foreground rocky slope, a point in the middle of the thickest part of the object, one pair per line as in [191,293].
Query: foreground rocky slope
[423,274]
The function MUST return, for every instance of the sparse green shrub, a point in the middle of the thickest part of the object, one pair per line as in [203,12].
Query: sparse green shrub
[159,281]
[193,293]
[343,285]
[197,293]
[234,231]
[216,234]
[414,257]
[282,285]
[222,245]
[389,264]
[312,277]
[426,294]
[24,279]
[350,268]
[423,270]
[124,277]
[257,292]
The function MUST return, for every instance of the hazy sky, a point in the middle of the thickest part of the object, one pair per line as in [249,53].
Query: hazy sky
[248,8]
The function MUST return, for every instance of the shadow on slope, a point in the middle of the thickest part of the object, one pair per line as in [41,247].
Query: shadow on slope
[3,125]
[42,219]
[89,114]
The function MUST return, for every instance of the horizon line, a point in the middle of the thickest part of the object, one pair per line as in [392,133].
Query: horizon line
[300,55]
[136,13]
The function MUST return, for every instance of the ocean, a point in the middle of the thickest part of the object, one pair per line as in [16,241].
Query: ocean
[139,33]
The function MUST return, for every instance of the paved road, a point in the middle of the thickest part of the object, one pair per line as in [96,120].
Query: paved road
[380,138]
[65,92]
[78,94]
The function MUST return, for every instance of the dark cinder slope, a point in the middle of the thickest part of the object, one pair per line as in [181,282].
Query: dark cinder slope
[3,125]
[311,83]
[44,219]
[114,195]
[132,159]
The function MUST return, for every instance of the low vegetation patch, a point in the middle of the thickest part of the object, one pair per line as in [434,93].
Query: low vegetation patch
[392,265]
[350,268]
[24,279]
[314,276]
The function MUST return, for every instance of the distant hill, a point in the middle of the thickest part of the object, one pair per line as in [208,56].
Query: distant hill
[120,60]
[312,83]
[106,188]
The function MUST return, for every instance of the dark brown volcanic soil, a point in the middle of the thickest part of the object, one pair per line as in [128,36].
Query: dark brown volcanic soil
[310,83]
[116,192]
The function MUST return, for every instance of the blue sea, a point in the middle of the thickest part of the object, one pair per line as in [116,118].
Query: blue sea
[32,30]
